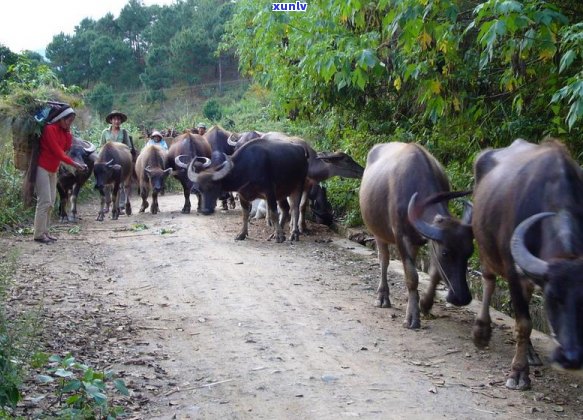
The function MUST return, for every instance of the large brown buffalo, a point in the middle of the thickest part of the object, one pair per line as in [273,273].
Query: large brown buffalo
[528,224]
[151,173]
[184,149]
[113,170]
[403,200]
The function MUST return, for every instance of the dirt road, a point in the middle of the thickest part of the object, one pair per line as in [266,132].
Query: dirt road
[202,326]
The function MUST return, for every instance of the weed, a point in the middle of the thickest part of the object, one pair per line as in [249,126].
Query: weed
[81,390]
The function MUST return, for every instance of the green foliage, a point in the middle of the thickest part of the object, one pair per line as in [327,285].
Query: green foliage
[15,342]
[82,391]
[473,74]
[212,110]
[101,98]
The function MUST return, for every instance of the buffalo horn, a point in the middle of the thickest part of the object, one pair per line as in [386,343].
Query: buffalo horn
[179,162]
[233,139]
[109,162]
[147,169]
[534,267]
[223,170]
[90,147]
[199,161]
[415,211]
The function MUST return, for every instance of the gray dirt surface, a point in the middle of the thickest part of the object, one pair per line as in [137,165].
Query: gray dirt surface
[200,326]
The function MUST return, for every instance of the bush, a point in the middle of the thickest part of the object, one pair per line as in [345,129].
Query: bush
[212,110]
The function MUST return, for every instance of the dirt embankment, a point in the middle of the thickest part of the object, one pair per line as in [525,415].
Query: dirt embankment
[202,326]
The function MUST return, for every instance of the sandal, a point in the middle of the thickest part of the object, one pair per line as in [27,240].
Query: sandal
[43,240]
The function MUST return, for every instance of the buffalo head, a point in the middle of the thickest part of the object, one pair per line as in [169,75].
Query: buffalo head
[562,283]
[451,243]
[207,178]
[157,176]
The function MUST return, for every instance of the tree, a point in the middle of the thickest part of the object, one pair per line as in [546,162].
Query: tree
[101,98]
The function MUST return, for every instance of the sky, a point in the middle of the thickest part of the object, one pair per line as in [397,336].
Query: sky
[31,24]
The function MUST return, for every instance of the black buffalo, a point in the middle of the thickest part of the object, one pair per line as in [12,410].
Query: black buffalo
[321,165]
[528,213]
[185,148]
[403,200]
[113,170]
[70,180]
[261,168]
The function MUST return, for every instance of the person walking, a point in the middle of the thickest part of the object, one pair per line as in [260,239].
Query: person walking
[157,140]
[55,141]
[117,134]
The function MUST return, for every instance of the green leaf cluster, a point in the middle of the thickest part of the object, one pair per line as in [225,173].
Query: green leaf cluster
[82,391]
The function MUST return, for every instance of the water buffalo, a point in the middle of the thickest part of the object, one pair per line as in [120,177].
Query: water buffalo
[261,168]
[403,200]
[528,224]
[151,174]
[186,146]
[113,171]
[70,181]
[321,165]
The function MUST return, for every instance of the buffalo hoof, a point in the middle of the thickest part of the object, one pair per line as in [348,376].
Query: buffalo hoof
[481,333]
[240,237]
[128,210]
[294,236]
[142,209]
[154,209]
[100,217]
[279,238]
[383,302]
[63,219]
[185,210]
[518,380]
[412,324]
[425,306]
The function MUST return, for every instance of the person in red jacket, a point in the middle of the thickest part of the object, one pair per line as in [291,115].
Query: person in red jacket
[55,141]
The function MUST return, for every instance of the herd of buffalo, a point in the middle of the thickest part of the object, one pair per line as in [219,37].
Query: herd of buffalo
[525,215]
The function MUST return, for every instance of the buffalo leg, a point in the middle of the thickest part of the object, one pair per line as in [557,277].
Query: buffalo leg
[383,300]
[408,255]
[186,207]
[231,201]
[294,202]
[62,204]
[128,193]
[115,202]
[246,206]
[272,211]
[426,302]
[102,210]
[74,195]
[154,209]
[519,376]
[284,212]
[303,205]
[482,329]
[144,192]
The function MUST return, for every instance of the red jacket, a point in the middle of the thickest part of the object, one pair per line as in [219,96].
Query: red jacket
[54,142]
